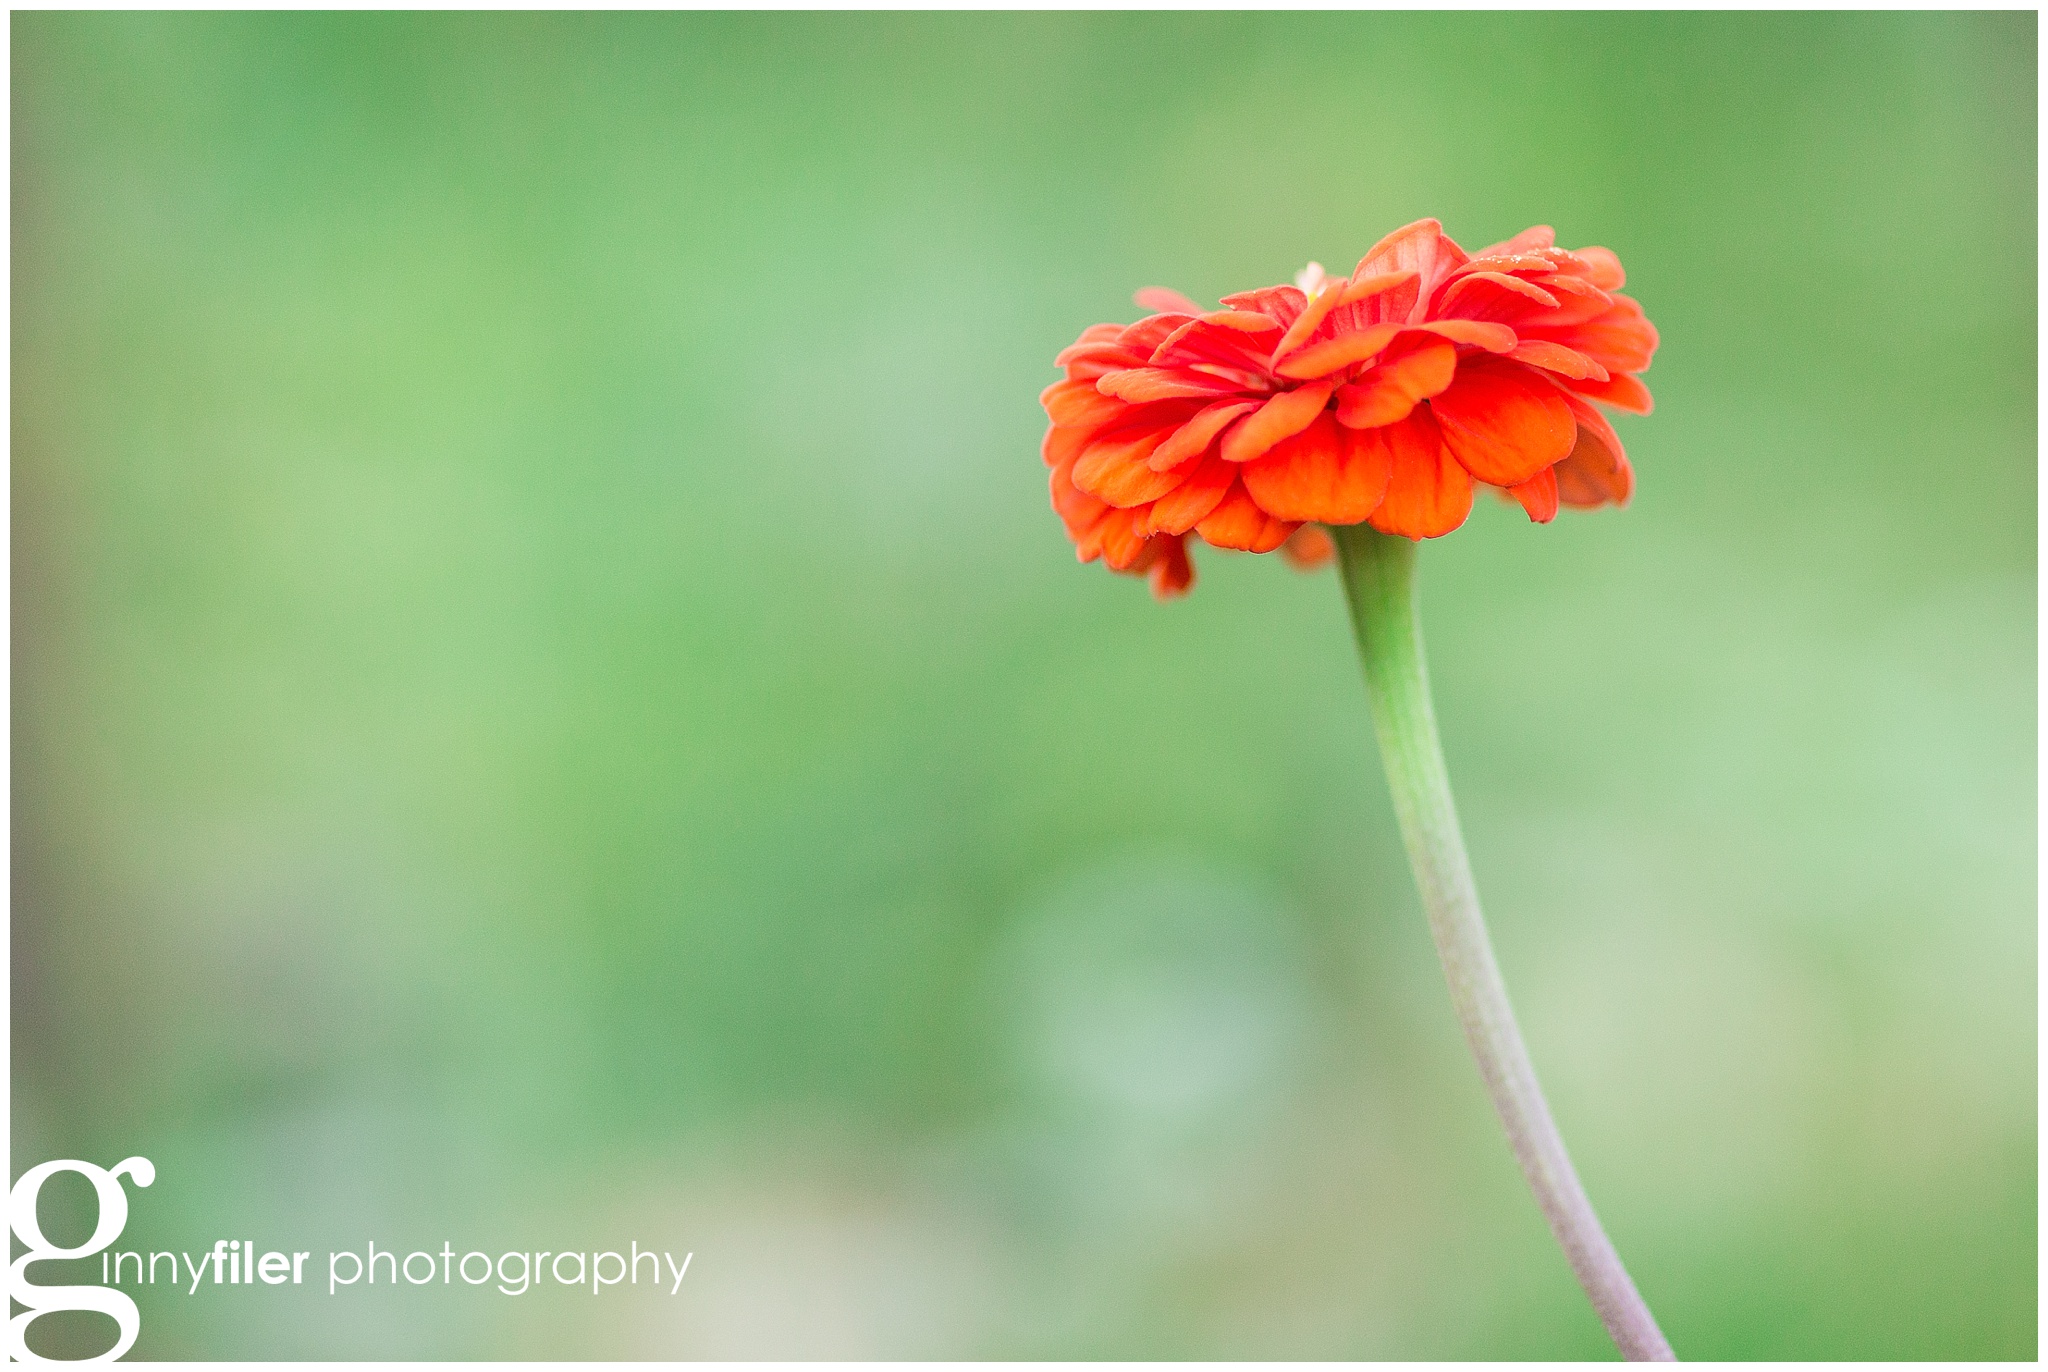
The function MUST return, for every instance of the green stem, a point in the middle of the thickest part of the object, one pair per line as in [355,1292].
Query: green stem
[1379,579]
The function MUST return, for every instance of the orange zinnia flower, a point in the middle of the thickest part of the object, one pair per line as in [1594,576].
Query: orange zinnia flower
[1378,398]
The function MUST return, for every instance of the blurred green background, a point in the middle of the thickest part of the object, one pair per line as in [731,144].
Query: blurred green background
[550,708]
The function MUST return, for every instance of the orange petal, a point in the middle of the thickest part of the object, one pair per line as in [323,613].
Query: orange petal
[1430,494]
[1620,339]
[1421,247]
[1607,273]
[1169,570]
[1504,422]
[1140,384]
[1075,507]
[1538,495]
[1062,446]
[1308,547]
[1121,542]
[1079,404]
[1589,417]
[1362,304]
[1335,354]
[1094,336]
[1622,391]
[1207,340]
[1597,471]
[1495,338]
[1285,414]
[1129,421]
[1148,333]
[1390,390]
[1592,476]
[1283,303]
[1577,301]
[1244,321]
[1555,357]
[1278,531]
[1505,262]
[1190,502]
[1325,473]
[1115,470]
[1193,437]
[1238,522]
[1162,300]
[1292,478]
[1298,332]
[1366,287]
[1087,536]
[1086,361]
[1528,240]
[1493,295]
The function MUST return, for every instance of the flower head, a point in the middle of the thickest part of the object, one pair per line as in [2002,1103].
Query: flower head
[1382,397]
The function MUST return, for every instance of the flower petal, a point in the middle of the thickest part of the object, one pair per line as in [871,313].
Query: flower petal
[1282,303]
[1079,404]
[1239,523]
[1094,336]
[1335,354]
[1528,240]
[1430,494]
[1596,472]
[1318,309]
[1422,248]
[1193,438]
[1324,473]
[1390,390]
[1121,541]
[1087,535]
[1607,273]
[1578,300]
[1169,570]
[1509,263]
[1555,357]
[1163,300]
[1148,333]
[1115,469]
[1620,339]
[1062,446]
[1244,321]
[1357,308]
[1493,295]
[1287,413]
[1592,477]
[1189,503]
[1504,422]
[1622,391]
[1213,342]
[1495,338]
[1075,507]
[1538,495]
[1140,384]
[1308,547]
[1086,361]
[1366,287]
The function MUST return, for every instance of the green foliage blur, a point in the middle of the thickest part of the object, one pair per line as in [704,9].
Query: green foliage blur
[550,707]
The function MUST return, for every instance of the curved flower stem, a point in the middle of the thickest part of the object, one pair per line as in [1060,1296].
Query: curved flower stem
[1379,580]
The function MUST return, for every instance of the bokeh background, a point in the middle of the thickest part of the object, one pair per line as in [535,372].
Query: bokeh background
[549,707]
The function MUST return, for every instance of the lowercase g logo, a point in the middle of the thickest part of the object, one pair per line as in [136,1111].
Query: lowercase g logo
[45,1300]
